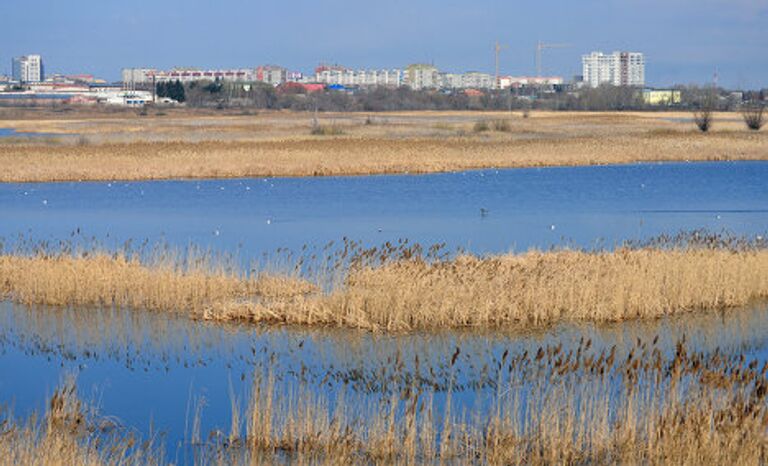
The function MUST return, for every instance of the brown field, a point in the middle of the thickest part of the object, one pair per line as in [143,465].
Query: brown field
[398,290]
[112,145]
[581,407]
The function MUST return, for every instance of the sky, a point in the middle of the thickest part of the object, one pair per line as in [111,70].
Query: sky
[685,41]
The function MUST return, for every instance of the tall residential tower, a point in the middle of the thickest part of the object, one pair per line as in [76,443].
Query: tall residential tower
[617,68]
[28,69]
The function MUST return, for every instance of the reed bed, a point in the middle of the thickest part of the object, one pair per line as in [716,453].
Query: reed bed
[582,406]
[401,287]
[361,152]
[549,407]
[163,282]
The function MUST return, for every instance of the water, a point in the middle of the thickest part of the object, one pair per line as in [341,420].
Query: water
[150,369]
[10,132]
[482,211]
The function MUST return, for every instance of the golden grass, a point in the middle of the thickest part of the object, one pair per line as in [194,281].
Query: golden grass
[279,144]
[101,279]
[69,434]
[397,288]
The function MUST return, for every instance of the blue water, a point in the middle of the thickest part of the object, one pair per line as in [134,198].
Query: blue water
[149,369]
[10,132]
[523,208]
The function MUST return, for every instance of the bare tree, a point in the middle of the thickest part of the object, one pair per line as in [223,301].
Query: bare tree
[704,110]
[753,116]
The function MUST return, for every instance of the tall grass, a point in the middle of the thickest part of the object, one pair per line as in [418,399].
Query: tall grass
[164,281]
[401,287]
[200,148]
[70,433]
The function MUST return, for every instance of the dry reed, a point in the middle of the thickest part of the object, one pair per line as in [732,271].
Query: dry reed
[531,289]
[401,288]
[280,145]
[551,406]
[70,433]
[98,278]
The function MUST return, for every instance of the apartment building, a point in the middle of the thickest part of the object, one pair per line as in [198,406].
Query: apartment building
[269,74]
[617,68]
[422,76]
[469,80]
[340,75]
[28,69]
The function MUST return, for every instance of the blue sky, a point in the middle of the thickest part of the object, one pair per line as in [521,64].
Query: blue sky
[684,40]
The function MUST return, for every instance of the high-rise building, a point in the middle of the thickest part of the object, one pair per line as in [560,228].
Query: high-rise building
[28,69]
[617,68]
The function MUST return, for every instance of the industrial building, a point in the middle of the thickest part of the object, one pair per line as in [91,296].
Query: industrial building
[617,69]
[28,69]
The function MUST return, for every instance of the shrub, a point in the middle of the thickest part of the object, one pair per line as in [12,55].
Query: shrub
[481,126]
[753,116]
[326,130]
[502,126]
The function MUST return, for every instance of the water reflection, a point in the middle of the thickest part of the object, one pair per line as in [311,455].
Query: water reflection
[148,368]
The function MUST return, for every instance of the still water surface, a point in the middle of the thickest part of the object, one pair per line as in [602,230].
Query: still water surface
[483,211]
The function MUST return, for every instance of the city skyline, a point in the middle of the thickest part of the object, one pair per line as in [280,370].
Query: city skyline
[691,41]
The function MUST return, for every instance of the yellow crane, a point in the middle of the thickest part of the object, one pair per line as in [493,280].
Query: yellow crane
[540,46]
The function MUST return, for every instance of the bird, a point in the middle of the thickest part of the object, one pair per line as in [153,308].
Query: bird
[269,221]
[484,212]
[552,227]
[216,232]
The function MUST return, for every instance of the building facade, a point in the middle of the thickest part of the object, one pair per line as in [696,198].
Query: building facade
[271,74]
[422,76]
[28,69]
[340,75]
[617,69]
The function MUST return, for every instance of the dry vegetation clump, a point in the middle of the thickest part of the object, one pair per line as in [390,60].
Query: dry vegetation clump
[164,283]
[70,434]
[326,130]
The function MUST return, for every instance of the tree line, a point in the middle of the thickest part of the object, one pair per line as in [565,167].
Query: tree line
[220,94]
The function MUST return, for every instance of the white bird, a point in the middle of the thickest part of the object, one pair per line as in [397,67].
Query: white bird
[552,227]
[269,222]
[45,201]
[216,232]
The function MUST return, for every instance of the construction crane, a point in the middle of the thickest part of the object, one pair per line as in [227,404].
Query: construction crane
[497,49]
[540,46]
